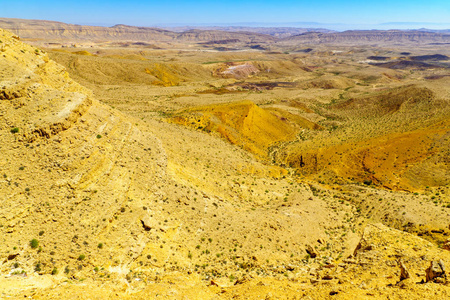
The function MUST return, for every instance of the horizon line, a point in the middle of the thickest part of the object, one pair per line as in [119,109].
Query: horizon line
[291,24]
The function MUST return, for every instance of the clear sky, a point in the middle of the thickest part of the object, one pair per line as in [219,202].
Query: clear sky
[148,13]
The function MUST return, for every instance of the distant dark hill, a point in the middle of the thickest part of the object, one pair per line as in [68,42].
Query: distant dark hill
[381,58]
[434,57]
[406,64]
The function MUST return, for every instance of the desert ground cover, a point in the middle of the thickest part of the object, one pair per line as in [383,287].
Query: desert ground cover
[189,171]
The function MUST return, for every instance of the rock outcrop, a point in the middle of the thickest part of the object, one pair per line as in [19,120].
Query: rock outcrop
[436,271]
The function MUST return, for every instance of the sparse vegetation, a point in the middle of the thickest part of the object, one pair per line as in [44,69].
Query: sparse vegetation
[34,243]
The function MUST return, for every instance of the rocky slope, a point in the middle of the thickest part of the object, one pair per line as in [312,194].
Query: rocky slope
[87,194]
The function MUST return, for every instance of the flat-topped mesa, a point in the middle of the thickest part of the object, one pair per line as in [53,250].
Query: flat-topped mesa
[37,97]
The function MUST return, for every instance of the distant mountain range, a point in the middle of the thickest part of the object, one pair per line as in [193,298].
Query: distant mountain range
[370,37]
[279,32]
[316,25]
[57,31]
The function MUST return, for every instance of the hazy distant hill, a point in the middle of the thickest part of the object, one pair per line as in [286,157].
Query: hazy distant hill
[369,36]
[279,32]
[50,30]
[57,31]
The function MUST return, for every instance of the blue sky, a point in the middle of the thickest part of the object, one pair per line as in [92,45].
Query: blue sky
[148,13]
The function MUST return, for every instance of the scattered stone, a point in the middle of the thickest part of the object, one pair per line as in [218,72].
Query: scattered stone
[406,284]
[314,280]
[290,267]
[349,261]
[332,293]
[329,260]
[440,280]
[311,251]
[146,223]
[242,280]
[12,256]
[363,246]
[404,273]
[149,223]
[213,283]
[435,270]
[446,245]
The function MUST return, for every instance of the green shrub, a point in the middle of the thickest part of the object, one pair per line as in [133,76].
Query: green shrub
[34,243]
[15,130]
[81,257]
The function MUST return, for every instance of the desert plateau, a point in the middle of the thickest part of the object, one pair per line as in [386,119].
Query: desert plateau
[255,163]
